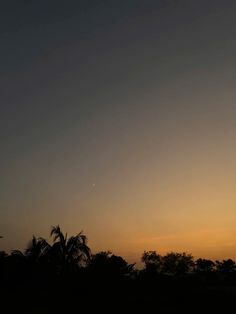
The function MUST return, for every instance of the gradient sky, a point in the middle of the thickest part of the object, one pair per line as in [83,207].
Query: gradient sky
[118,118]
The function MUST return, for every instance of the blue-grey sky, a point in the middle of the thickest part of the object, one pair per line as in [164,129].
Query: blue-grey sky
[118,118]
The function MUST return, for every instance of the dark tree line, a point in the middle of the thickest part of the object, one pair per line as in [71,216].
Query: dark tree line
[183,264]
[54,276]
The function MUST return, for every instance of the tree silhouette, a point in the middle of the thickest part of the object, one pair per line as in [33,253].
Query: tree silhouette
[226,266]
[57,275]
[37,249]
[107,265]
[204,265]
[72,251]
[177,263]
[3,254]
[152,261]
[17,254]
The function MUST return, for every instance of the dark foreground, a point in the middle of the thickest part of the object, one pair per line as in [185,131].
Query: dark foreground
[190,294]
[64,277]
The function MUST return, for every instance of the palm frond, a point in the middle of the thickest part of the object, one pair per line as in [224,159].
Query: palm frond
[55,232]
[17,253]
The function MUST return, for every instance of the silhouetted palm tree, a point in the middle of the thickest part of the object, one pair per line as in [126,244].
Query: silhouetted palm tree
[18,254]
[37,249]
[69,251]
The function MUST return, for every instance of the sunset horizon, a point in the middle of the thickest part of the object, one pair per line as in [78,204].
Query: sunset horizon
[118,119]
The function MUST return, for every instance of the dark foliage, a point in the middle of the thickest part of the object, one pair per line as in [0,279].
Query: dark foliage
[63,277]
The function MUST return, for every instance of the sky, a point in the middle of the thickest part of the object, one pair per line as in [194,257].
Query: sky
[118,118]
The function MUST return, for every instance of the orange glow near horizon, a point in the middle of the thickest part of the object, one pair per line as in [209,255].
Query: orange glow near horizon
[120,120]
[186,204]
